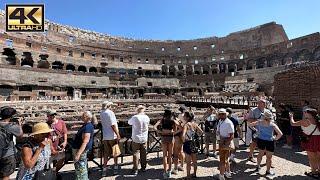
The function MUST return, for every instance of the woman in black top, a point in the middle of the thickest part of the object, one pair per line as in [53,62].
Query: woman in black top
[167,130]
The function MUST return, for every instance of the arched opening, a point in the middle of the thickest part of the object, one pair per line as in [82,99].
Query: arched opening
[140,71]
[316,54]
[103,70]
[11,56]
[206,69]
[27,60]
[57,65]
[232,67]
[240,66]
[164,70]
[303,55]
[197,69]
[70,67]
[222,68]
[43,64]
[156,73]
[214,69]
[172,70]
[6,91]
[82,69]
[250,64]
[260,63]
[189,70]
[93,69]
[122,72]
[148,73]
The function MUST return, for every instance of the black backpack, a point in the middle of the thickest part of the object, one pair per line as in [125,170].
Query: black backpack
[5,140]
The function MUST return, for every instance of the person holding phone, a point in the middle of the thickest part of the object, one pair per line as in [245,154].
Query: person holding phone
[36,153]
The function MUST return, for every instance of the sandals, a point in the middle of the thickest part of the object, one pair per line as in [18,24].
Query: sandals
[314,175]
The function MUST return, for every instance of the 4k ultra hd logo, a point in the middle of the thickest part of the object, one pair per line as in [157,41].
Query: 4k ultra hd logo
[25,17]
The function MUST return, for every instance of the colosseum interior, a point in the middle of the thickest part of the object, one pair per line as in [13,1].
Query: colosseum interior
[70,63]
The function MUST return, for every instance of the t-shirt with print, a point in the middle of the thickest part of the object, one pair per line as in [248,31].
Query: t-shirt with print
[140,127]
[108,119]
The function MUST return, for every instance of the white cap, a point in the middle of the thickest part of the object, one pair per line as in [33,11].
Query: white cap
[107,103]
[222,111]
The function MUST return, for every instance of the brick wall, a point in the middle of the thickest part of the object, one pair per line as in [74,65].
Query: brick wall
[298,84]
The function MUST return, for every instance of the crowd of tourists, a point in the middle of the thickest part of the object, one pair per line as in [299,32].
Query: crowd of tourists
[45,145]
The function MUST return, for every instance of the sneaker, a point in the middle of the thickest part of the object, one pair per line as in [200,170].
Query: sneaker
[175,171]
[270,173]
[227,175]
[218,177]
[286,146]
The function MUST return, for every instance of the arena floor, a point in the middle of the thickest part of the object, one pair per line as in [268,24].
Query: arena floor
[289,164]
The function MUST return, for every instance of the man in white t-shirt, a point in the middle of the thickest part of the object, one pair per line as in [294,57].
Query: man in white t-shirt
[111,136]
[140,126]
[225,131]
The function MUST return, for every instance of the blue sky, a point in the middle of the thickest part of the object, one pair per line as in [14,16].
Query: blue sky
[181,19]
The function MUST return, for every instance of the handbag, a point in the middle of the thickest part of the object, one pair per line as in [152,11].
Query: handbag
[193,144]
[46,174]
[304,138]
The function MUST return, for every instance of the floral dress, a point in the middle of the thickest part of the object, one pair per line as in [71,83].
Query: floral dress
[43,159]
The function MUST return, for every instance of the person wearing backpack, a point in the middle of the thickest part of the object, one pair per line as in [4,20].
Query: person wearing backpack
[189,146]
[9,127]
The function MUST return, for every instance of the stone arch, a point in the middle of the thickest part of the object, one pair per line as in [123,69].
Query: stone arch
[11,56]
[103,70]
[82,69]
[43,64]
[148,74]
[260,63]
[156,73]
[214,69]
[223,67]
[316,54]
[189,70]
[197,69]
[93,69]
[172,70]
[206,69]
[241,66]
[303,55]
[70,67]
[140,71]
[57,65]
[232,67]
[250,64]
[27,60]
[164,70]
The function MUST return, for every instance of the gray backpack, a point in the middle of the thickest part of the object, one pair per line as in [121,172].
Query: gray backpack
[5,140]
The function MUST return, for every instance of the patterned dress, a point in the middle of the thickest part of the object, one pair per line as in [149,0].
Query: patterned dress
[43,159]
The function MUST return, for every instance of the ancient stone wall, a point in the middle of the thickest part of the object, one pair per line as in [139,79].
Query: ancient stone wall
[299,84]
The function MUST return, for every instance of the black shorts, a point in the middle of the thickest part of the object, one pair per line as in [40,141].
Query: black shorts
[7,166]
[265,145]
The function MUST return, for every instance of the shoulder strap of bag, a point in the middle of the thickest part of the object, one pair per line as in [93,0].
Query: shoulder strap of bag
[313,130]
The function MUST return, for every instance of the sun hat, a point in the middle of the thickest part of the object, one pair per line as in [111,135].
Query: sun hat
[141,107]
[40,128]
[268,115]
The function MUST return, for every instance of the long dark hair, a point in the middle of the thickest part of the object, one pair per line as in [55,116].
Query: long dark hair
[314,113]
[189,115]
[167,116]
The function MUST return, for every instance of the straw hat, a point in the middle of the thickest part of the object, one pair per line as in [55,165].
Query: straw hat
[268,115]
[41,128]
[140,107]
[107,103]
[222,111]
